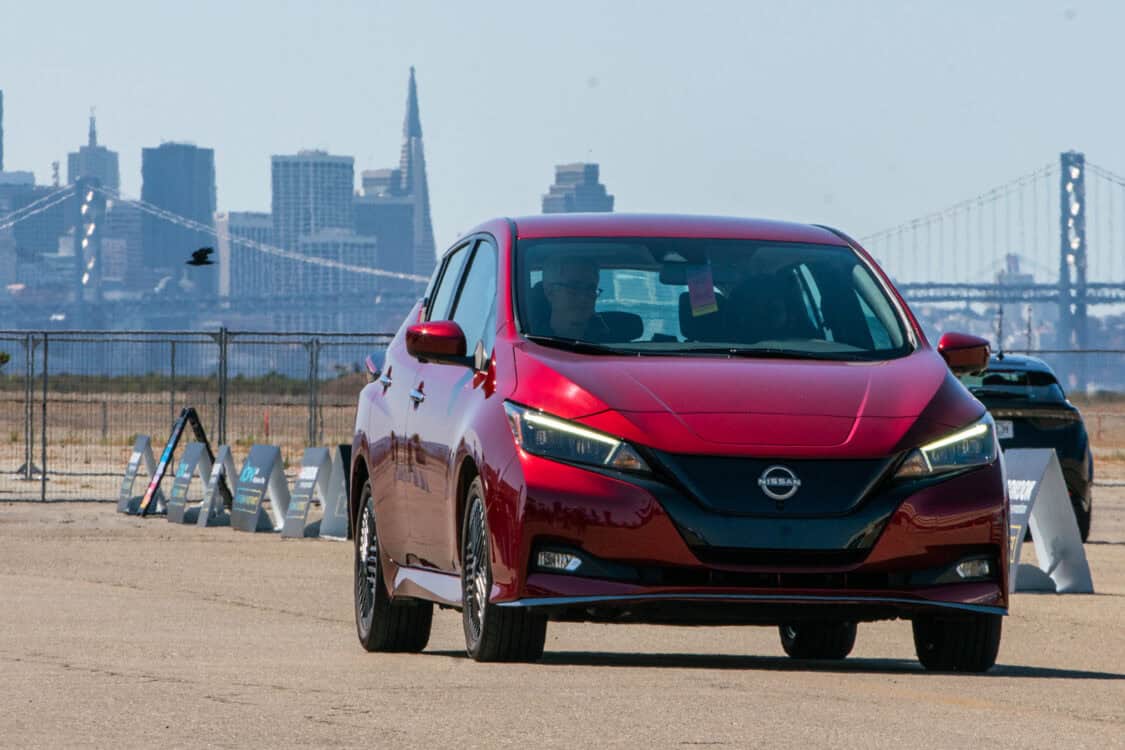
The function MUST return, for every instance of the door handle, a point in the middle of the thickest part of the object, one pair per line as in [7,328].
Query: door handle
[385,381]
[417,396]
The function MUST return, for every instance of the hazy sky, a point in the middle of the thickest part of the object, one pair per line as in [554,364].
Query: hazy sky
[856,114]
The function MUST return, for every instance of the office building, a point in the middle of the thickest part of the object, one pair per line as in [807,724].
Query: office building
[94,161]
[576,189]
[179,178]
[312,190]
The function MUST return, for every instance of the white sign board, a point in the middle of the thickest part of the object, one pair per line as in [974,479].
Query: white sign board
[1038,499]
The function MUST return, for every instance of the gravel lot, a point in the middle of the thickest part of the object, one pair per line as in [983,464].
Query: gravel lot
[118,631]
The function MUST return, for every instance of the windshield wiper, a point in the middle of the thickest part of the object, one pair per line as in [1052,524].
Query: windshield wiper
[773,353]
[575,345]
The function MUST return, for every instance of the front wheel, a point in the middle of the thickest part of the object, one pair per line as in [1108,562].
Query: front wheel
[964,644]
[818,640]
[492,633]
[383,624]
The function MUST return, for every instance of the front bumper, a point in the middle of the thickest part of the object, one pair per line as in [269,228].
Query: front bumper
[742,607]
[694,565]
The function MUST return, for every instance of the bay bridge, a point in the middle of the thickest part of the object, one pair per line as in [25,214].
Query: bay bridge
[1053,236]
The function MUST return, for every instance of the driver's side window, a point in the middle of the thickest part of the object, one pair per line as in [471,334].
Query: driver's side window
[443,295]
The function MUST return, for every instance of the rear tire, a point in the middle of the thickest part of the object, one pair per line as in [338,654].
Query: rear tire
[967,644]
[383,624]
[492,633]
[818,640]
[1082,515]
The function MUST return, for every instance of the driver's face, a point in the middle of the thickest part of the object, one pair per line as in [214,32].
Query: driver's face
[572,294]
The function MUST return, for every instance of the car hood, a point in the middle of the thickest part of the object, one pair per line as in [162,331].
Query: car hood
[701,402]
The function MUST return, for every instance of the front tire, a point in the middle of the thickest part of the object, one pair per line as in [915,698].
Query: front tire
[966,644]
[818,640]
[492,633]
[383,624]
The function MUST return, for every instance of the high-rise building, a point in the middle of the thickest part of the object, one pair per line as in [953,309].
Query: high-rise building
[38,234]
[395,206]
[317,283]
[576,189]
[412,163]
[247,275]
[179,178]
[93,160]
[122,247]
[312,190]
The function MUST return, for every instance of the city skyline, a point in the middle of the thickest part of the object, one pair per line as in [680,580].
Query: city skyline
[758,111]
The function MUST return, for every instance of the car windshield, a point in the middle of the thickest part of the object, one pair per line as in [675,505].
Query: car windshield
[1031,384]
[705,297]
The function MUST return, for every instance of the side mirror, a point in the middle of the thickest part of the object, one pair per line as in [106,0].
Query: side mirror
[964,353]
[437,341]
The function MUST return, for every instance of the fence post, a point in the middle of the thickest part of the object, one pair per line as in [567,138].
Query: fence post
[172,388]
[314,362]
[28,400]
[43,468]
[222,385]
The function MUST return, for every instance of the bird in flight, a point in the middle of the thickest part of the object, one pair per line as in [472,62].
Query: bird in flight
[200,257]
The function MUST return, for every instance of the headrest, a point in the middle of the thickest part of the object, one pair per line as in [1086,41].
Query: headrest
[620,326]
[708,327]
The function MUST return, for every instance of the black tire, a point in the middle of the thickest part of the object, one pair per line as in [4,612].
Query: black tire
[966,644]
[383,624]
[1082,513]
[818,640]
[492,633]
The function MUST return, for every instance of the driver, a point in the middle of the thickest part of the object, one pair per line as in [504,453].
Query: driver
[570,284]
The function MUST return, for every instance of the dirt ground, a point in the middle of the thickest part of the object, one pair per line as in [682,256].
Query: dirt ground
[118,631]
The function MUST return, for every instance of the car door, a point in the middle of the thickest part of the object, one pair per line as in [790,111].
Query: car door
[451,394]
[386,407]
[420,464]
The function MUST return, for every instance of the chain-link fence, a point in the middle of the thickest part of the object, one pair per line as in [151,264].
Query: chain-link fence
[73,402]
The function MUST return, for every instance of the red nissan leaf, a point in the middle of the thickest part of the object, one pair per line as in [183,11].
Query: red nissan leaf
[675,420]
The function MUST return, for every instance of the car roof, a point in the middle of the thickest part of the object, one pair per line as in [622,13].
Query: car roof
[1018,362]
[670,225]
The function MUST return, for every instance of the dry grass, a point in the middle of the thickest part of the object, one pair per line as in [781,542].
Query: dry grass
[91,434]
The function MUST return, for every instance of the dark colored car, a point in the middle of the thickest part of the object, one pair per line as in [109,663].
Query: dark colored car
[687,420]
[1032,411]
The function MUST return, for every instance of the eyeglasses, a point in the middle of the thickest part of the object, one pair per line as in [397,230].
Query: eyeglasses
[579,289]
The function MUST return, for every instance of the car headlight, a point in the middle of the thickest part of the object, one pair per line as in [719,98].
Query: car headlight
[974,445]
[551,437]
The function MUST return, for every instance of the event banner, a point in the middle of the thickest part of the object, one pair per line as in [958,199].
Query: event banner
[313,480]
[261,494]
[334,525]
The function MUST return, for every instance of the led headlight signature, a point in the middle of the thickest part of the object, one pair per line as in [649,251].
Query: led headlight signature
[551,437]
[974,445]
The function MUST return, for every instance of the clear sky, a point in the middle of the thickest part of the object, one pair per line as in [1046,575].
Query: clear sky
[859,114]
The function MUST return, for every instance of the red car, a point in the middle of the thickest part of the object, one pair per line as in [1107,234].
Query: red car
[684,420]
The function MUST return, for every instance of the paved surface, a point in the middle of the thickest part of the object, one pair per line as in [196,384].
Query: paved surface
[116,631]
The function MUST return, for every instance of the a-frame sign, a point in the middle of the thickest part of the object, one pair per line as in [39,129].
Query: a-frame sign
[334,524]
[213,509]
[142,453]
[313,480]
[187,417]
[194,461]
[262,479]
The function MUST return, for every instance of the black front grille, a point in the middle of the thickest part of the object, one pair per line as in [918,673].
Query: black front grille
[660,576]
[734,485]
[778,557]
